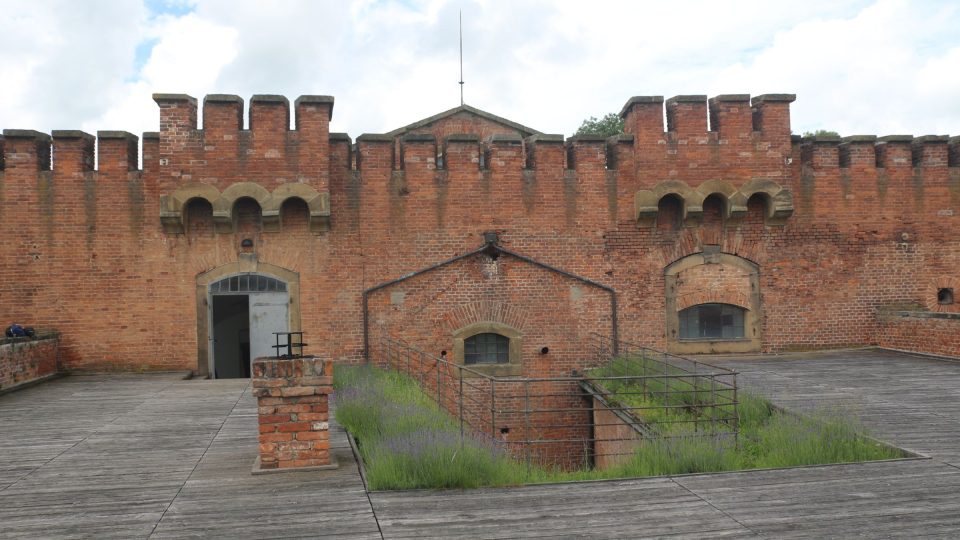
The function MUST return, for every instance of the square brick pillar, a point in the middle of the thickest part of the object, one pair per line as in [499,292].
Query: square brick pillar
[292,399]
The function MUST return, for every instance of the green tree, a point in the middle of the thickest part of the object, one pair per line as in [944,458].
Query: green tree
[820,133]
[608,126]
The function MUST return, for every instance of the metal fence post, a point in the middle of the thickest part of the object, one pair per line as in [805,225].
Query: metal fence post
[420,370]
[713,397]
[460,370]
[526,414]
[493,409]
[736,416]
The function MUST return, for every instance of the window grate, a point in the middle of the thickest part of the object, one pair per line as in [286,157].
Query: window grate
[247,283]
[487,348]
[712,321]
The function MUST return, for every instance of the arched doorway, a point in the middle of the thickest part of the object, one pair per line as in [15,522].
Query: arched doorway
[239,307]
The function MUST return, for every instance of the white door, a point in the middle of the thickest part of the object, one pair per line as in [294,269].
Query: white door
[268,314]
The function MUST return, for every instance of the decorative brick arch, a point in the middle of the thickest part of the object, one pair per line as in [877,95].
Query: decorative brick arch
[486,312]
[173,206]
[734,202]
[713,278]
[778,200]
[317,203]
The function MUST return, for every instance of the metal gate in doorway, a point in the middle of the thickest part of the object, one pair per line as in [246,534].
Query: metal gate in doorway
[245,311]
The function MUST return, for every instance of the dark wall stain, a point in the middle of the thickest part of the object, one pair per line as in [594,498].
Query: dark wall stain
[529,190]
[570,193]
[442,183]
[137,200]
[918,188]
[613,178]
[90,207]
[45,198]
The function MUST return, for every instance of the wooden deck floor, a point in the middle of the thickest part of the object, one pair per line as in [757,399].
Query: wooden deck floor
[155,456]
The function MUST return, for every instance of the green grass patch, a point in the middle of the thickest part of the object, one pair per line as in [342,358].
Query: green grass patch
[406,441]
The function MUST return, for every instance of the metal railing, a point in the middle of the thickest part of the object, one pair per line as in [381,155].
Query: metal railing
[592,419]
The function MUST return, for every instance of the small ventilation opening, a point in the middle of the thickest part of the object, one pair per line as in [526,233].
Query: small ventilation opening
[945,296]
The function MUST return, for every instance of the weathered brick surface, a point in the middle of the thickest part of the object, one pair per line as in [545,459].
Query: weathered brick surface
[873,225]
[23,359]
[292,411]
[614,440]
[921,333]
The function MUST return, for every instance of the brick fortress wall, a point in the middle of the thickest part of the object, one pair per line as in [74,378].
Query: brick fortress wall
[24,360]
[839,229]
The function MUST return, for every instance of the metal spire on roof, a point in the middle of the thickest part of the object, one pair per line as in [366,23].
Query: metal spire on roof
[461,57]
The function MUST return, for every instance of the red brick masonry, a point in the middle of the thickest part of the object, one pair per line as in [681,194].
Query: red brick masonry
[923,331]
[23,360]
[292,406]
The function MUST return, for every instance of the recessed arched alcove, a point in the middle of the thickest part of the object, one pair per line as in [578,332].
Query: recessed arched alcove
[294,215]
[247,219]
[669,213]
[649,202]
[174,212]
[198,218]
[712,303]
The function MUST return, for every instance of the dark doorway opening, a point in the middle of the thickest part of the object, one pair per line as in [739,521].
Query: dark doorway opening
[231,336]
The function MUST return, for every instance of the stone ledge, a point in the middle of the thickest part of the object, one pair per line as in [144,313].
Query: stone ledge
[223,98]
[269,99]
[175,97]
[773,98]
[636,100]
[692,98]
[736,98]
[25,134]
[923,315]
[71,134]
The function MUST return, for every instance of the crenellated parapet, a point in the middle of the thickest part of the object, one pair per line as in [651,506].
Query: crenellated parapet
[223,152]
[873,152]
[731,117]
[689,147]
[70,151]
[501,152]
[921,173]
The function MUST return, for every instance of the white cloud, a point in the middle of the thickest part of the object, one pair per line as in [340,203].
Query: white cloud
[63,59]
[188,57]
[857,66]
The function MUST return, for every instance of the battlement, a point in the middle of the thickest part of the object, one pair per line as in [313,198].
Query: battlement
[69,150]
[731,117]
[873,152]
[468,152]
[688,148]
[735,121]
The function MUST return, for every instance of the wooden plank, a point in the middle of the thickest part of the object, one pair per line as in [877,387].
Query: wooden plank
[133,456]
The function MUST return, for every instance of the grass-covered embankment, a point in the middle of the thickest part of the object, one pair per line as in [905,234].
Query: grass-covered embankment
[407,442]
[767,438]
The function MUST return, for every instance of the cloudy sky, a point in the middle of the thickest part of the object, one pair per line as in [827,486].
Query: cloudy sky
[857,67]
